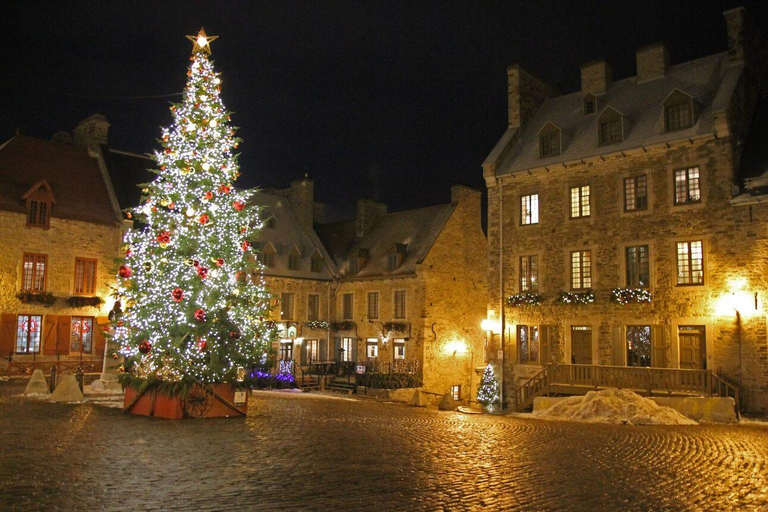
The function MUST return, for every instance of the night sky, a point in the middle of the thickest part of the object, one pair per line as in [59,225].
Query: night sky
[391,100]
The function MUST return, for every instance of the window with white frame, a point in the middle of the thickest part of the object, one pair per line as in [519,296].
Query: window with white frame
[346,349]
[529,209]
[399,345]
[28,329]
[81,334]
[372,348]
[456,392]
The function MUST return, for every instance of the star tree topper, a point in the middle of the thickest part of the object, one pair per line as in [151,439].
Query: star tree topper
[202,41]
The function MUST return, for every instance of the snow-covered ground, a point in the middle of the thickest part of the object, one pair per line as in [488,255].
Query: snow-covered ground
[613,406]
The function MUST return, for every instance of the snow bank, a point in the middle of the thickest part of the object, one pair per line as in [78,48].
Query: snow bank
[613,406]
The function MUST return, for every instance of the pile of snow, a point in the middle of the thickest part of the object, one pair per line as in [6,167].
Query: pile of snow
[613,406]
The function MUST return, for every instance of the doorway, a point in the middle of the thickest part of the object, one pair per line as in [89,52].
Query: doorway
[693,347]
[581,344]
[286,350]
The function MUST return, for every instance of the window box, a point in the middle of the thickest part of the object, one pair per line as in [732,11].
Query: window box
[45,298]
[343,326]
[524,299]
[317,325]
[82,302]
[624,296]
[395,327]
[586,297]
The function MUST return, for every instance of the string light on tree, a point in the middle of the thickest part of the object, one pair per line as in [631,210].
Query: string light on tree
[182,320]
[489,392]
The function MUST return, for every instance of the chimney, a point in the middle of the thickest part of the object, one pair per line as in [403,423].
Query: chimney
[368,212]
[525,94]
[301,197]
[652,62]
[595,77]
[62,137]
[92,131]
[467,200]
[745,44]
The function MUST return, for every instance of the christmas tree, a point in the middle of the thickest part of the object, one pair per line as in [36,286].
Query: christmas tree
[488,394]
[196,305]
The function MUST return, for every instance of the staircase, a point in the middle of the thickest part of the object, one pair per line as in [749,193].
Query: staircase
[341,386]
[309,383]
[538,385]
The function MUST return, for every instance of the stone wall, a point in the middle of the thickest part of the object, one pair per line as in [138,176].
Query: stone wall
[735,247]
[62,243]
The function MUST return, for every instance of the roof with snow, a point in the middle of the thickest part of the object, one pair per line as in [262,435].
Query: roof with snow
[416,229]
[75,178]
[710,81]
[128,171]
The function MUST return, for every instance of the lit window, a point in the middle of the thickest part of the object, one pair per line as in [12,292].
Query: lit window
[528,343]
[677,117]
[638,266]
[34,272]
[610,131]
[286,309]
[529,209]
[636,193]
[399,348]
[81,334]
[529,274]
[372,348]
[348,300]
[85,276]
[313,307]
[690,263]
[581,270]
[373,305]
[28,328]
[456,392]
[549,144]
[346,350]
[400,304]
[639,345]
[312,349]
[687,186]
[580,206]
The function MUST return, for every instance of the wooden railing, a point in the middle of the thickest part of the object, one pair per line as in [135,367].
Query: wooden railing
[27,367]
[536,386]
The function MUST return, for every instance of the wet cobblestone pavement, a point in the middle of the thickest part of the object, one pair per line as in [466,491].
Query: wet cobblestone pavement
[313,453]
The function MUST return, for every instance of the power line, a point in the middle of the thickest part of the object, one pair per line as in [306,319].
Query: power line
[101,97]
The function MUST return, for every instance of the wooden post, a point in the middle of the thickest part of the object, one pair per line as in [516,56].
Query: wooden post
[650,385]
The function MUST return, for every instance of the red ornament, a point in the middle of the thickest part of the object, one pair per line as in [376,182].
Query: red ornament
[200,315]
[145,347]
[124,271]
[202,272]
[202,345]
[238,205]
[208,196]
[224,189]
[171,206]
[128,253]
[204,219]
[178,294]
[220,262]
[196,263]
[246,245]
[164,237]
[234,335]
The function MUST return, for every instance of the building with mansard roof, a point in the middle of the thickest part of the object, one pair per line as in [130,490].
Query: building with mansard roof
[622,233]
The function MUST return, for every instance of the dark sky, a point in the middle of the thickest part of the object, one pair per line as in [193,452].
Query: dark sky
[384,99]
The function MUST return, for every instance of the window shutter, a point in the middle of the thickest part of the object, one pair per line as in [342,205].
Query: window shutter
[323,349]
[50,340]
[99,341]
[303,356]
[545,331]
[354,350]
[336,347]
[658,341]
[619,344]
[63,336]
[7,334]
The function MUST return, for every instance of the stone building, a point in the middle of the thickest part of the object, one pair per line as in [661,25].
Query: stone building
[620,230]
[60,230]
[411,290]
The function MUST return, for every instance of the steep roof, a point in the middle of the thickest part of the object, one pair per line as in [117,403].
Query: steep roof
[286,234]
[127,172]
[710,81]
[417,229]
[73,174]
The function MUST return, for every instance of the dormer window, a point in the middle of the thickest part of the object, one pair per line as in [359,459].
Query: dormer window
[267,255]
[294,258]
[589,104]
[270,223]
[678,111]
[396,256]
[549,141]
[610,127]
[39,199]
[393,261]
[316,263]
[354,266]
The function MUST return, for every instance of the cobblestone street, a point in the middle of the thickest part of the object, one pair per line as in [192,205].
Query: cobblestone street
[315,453]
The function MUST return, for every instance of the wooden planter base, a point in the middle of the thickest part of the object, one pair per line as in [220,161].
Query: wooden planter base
[214,401]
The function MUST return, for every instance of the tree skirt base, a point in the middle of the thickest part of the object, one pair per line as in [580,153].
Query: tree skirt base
[214,401]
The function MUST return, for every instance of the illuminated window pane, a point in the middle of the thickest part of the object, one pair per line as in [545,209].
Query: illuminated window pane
[529,274]
[28,328]
[529,209]
[687,186]
[81,334]
[580,202]
[528,343]
[636,193]
[639,345]
[690,263]
[638,266]
[581,270]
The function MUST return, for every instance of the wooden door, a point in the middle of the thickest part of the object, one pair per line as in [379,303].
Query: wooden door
[693,351]
[581,344]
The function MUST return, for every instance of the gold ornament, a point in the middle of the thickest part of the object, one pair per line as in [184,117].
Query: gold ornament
[164,202]
[202,42]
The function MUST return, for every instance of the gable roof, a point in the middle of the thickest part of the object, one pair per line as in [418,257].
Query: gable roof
[128,171]
[73,174]
[288,236]
[711,81]
[418,229]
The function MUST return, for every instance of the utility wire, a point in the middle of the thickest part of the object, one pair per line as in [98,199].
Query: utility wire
[100,97]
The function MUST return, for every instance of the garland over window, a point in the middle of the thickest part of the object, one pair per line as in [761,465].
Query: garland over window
[626,295]
[81,302]
[318,325]
[524,299]
[586,297]
[44,298]
[395,327]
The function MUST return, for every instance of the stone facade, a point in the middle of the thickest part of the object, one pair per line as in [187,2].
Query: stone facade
[726,311]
